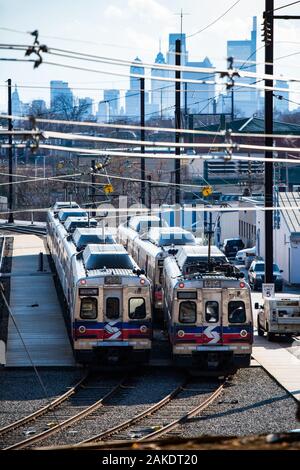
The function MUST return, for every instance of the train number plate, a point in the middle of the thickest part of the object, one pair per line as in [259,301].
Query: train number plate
[112,280]
[212,283]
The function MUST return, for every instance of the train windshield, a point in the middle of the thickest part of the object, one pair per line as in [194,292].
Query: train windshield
[187,312]
[137,308]
[88,308]
[236,311]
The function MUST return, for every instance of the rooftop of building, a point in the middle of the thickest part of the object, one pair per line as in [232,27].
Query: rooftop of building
[255,125]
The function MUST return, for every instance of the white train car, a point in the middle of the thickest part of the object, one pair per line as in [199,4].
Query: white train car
[108,297]
[209,318]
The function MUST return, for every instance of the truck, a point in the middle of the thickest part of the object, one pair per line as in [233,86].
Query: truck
[278,316]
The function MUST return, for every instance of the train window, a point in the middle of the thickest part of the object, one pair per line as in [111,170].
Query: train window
[112,308]
[236,311]
[187,312]
[211,311]
[137,308]
[88,308]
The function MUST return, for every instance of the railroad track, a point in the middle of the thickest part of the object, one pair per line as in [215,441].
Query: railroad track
[89,394]
[23,229]
[164,416]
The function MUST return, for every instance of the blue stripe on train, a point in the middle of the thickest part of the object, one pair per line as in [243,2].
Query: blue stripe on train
[91,325]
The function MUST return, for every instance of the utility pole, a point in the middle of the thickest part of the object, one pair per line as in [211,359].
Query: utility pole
[209,232]
[232,104]
[269,56]
[149,191]
[177,120]
[268,32]
[10,159]
[93,189]
[142,117]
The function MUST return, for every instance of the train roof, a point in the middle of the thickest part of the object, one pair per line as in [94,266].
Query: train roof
[63,214]
[92,235]
[72,222]
[64,204]
[108,256]
[139,222]
[166,236]
[191,255]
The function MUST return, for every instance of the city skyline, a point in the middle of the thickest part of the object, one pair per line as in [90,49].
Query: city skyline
[212,43]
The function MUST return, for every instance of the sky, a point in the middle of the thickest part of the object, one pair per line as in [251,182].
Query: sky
[127,28]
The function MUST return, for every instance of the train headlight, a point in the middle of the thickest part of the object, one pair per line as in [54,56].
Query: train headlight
[143,329]
[243,333]
[181,285]
[142,281]
[83,282]
[82,329]
[180,333]
[242,284]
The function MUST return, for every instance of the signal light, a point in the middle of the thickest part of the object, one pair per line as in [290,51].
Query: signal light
[181,285]
[242,284]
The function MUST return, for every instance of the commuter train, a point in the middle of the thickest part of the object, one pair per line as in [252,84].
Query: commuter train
[108,297]
[149,241]
[208,314]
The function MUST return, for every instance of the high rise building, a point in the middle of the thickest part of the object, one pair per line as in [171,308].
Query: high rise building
[132,96]
[38,107]
[61,96]
[245,99]
[112,97]
[16,102]
[194,98]
[103,112]
[85,107]
[159,88]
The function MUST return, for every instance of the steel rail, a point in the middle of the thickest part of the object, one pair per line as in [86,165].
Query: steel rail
[135,419]
[45,409]
[3,240]
[185,417]
[64,424]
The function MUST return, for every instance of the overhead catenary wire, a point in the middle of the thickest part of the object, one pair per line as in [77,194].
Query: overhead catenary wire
[160,156]
[170,78]
[147,128]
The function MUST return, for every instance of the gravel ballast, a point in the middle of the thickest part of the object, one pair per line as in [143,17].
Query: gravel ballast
[21,392]
[252,404]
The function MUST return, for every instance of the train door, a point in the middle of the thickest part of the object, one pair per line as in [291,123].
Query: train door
[212,327]
[113,315]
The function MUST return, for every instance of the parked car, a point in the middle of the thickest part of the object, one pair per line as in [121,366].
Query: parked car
[231,246]
[280,316]
[256,275]
[242,255]
[250,256]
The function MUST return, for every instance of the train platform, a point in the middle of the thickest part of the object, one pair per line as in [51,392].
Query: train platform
[280,363]
[36,309]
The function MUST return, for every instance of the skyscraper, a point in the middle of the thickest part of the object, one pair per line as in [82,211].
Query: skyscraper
[61,96]
[244,53]
[132,96]
[16,102]
[85,107]
[159,88]
[195,98]
[113,99]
